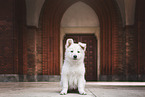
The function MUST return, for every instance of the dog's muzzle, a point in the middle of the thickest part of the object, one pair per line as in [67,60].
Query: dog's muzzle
[75,57]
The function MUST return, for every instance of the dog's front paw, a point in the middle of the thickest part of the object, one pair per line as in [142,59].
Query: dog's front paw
[63,92]
[82,92]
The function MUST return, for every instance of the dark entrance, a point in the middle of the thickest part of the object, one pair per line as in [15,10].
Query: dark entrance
[91,53]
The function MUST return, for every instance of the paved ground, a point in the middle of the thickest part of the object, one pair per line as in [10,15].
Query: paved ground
[52,89]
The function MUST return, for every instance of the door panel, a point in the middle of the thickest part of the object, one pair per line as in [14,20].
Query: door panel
[91,53]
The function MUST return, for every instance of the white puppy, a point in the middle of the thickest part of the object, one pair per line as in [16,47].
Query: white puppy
[73,69]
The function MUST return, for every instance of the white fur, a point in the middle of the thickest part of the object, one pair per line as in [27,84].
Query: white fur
[73,69]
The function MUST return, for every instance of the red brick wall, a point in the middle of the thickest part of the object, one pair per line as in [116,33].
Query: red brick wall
[140,28]
[11,20]
[8,64]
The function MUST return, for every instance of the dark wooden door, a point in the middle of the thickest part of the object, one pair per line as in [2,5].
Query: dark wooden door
[91,53]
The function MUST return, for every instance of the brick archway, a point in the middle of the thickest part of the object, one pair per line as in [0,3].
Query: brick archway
[110,28]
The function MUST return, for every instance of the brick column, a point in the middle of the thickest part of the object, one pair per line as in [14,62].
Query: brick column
[31,53]
[131,53]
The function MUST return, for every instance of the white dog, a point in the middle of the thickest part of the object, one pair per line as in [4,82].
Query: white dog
[73,69]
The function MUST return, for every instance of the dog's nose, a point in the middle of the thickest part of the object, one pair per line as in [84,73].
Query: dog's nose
[75,56]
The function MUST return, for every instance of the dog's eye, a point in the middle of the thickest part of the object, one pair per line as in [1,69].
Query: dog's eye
[78,51]
[71,51]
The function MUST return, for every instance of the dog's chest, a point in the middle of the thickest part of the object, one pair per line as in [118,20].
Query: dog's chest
[74,72]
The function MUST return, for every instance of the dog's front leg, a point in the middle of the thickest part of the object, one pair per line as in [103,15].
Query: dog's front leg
[81,85]
[64,82]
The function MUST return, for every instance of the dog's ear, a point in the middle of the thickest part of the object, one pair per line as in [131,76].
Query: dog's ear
[69,42]
[82,45]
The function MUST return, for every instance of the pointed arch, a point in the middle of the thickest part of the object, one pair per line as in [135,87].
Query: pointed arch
[110,28]
[80,15]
